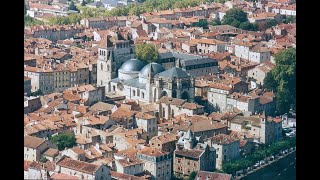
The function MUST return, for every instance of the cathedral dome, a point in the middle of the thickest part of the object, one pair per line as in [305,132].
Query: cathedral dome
[154,68]
[132,65]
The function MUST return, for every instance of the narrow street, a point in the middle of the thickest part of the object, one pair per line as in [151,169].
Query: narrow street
[283,169]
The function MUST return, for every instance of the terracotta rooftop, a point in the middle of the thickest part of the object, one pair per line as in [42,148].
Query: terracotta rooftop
[122,113]
[51,152]
[146,116]
[78,150]
[223,139]
[78,165]
[33,142]
[192,106]
[121,176]
[62,176]
[150,151]
[193,153]
[169,100]
[204,175]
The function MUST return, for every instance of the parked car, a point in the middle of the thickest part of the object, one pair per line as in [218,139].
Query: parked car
[256,165]
[272,158]
[262,162]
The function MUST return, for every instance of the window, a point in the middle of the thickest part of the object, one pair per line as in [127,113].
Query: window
[142,94]
[225,157]
[101,67]
[133,92]
[217,156]
[225,150]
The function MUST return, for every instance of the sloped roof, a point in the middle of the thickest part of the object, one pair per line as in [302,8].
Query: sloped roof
[174,73]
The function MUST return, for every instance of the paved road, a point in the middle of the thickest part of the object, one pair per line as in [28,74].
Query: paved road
[284,169]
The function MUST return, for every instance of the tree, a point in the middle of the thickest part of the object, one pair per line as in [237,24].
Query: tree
[73,7]
[147,53]
[282,80]
[192,175]
[30,21]
[202,23]
[288,19]
[271,22]
[234,17]
[215,22]
[248,26]
[37,93]
[83,3]
[62,141]
[43,160]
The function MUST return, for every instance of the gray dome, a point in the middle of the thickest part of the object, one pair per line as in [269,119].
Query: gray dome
[155,68]
[132,65]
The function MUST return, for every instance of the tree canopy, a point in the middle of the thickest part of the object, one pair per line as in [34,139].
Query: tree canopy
[238,18]
[192,175]
[72,6]
[202,23]
[37,93]
[215,22]
[132,9]
[234,15]
[62,141]
[289,19]
[30,21]
[282,80]
[259,154]
[248,26]
[147,53]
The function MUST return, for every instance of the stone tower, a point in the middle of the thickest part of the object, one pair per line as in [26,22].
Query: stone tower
[106,67]
[263,130]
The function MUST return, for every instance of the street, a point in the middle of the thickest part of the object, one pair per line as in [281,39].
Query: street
[284,169]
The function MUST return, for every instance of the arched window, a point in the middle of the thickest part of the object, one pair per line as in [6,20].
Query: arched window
[172,113]
[133,92]
[101,67]
[174,94]
[108,68]
[142,94]
[138,92]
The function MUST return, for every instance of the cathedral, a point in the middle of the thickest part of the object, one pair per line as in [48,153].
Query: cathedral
[122,75]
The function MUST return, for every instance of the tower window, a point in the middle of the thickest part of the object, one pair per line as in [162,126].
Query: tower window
[101,67]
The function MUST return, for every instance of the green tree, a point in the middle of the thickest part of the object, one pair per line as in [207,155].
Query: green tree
[30,21]
[192,175]
[37,93]
[248,26]
[271,22]
[234,17]
[219,1]
[72,6]
[83,3]
[43,160]
[215,22]
[288,19]
[62,141]
[202,23]
[282,79]
[147,53]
